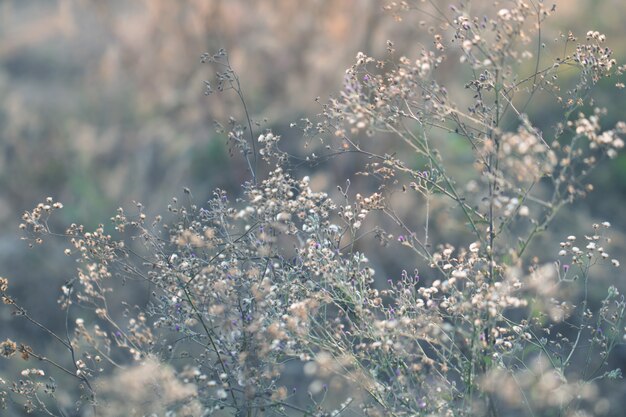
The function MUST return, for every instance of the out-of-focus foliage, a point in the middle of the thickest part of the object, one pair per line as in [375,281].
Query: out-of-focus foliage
[102,101]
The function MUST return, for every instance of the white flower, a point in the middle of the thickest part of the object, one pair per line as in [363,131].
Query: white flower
[459,273]
[504,14]
[33,371]
[283,217]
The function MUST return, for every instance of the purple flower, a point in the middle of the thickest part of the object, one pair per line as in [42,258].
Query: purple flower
[565,268]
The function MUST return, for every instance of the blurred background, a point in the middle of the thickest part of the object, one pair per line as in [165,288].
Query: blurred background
[102,104]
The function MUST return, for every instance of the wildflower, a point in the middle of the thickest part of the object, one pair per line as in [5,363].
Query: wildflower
[504,14]
[8,348]
[4,284]
[459,273]
[33,371]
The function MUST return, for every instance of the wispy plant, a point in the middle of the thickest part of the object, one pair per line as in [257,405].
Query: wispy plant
[246,292]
